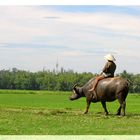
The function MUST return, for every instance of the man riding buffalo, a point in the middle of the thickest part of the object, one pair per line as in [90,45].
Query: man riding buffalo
[108,71]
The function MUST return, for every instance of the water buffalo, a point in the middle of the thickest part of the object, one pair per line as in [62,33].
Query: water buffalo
[108,89]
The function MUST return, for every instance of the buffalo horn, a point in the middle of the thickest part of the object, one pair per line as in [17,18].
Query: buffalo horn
[74,86]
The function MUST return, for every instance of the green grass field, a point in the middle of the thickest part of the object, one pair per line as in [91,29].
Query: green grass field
[52,113]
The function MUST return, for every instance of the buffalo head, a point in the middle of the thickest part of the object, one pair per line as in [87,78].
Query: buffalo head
[76,94]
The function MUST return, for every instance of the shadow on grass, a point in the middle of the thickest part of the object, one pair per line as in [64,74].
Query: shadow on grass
[131,115]
[71,112]
[128,115]
[67,112]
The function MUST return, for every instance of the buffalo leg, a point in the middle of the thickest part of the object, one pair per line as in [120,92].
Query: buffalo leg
[119,110]
[120,101]
[104,106]
[87,108]
[122,106]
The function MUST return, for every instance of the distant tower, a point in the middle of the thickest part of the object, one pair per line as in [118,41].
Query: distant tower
[57,66]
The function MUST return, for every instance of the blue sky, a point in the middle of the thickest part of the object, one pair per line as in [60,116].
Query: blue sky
[131,10]
[33,37]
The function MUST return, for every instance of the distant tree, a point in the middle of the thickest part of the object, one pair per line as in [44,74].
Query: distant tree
[62,80]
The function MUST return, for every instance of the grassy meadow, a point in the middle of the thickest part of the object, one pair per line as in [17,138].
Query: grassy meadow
[52,113]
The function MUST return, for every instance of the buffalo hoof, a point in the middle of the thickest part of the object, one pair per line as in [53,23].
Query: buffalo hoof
[85,112]
[118,113]
[106,113]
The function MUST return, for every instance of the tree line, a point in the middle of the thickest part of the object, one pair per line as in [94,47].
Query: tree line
[53,80]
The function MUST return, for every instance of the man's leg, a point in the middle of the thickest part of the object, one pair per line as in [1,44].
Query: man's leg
[96,82]
[94,86]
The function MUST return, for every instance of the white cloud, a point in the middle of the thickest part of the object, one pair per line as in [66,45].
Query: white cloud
[80,36]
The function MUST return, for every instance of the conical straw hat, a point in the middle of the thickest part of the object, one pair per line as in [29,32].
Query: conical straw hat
[110,57]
